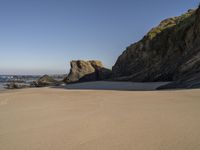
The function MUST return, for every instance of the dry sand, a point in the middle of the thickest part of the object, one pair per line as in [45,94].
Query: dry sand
[60,119]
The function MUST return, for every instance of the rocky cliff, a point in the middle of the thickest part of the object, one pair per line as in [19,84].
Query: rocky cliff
[169,52]
[82,71]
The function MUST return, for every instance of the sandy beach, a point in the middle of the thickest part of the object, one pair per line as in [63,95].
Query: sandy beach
[60,119]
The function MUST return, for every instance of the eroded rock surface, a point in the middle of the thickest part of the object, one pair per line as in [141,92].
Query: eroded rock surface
[44,81]
[169,52]
[82,71]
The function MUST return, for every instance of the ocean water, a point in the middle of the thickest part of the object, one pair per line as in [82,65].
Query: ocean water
[4,79]
[24,79]
[1,86]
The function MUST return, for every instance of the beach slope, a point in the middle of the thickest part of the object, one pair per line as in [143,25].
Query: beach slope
[60,119]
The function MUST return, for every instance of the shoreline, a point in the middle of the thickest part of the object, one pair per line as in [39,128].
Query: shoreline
[105,85]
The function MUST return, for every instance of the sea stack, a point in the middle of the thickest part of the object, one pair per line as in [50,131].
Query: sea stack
[82,71]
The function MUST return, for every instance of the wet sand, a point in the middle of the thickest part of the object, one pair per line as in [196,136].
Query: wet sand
[60,119]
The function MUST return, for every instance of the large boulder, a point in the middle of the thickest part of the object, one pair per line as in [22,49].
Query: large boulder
[44,81]
[169,52]
[82,71]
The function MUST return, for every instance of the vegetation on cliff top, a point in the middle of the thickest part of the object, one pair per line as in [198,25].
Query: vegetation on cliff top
[168,23]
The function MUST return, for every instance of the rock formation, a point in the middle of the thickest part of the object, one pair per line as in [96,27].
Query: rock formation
[16,85]
[82,71]
[44,81]
[169,52]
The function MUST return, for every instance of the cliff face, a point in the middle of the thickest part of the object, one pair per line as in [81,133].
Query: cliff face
[169,52]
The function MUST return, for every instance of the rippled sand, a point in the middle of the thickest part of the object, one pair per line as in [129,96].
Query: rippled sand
[60,119]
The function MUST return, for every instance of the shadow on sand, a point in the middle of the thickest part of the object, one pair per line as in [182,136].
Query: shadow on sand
[110,85]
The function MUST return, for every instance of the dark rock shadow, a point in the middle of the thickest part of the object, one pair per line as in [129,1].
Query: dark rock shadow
[110,85]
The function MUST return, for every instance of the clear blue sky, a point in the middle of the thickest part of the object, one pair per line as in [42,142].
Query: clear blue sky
[42,36]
